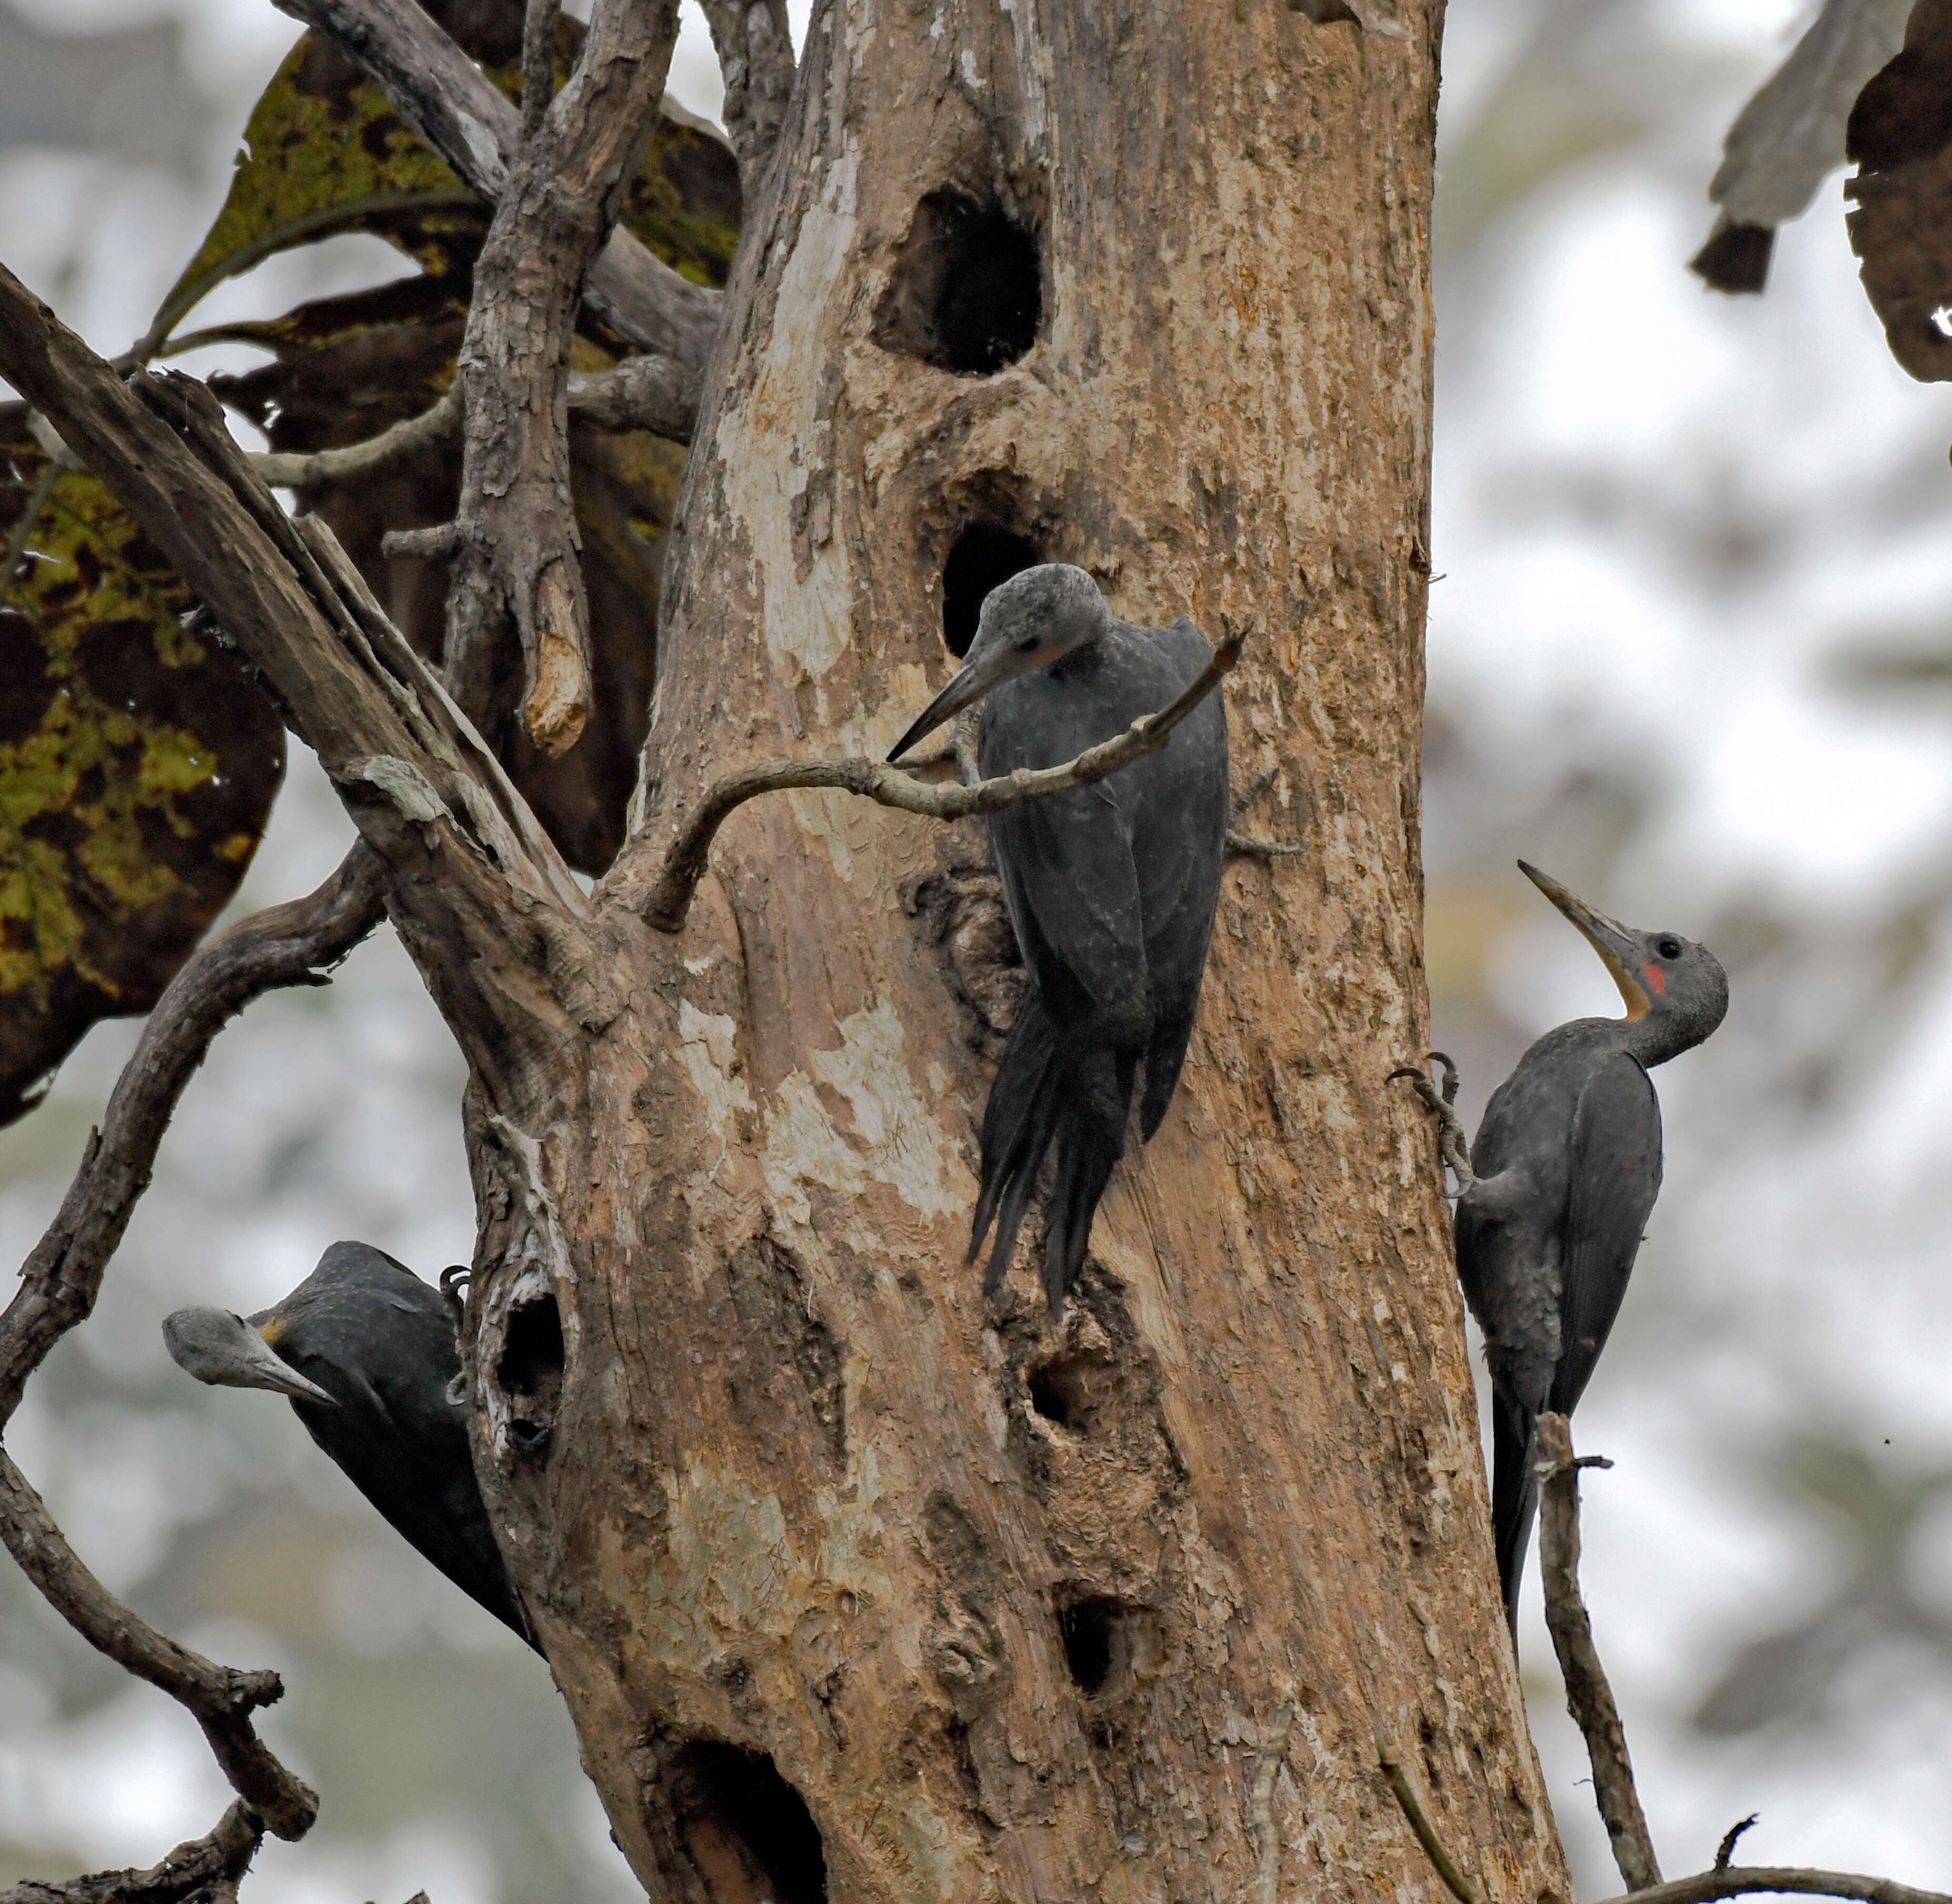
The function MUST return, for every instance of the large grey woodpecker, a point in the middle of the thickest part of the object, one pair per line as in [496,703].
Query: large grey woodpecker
[366,1351]
[1111,889]
[1559,1187]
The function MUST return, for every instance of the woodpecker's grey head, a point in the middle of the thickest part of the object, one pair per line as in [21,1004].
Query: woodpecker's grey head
[1675,981]
[1032,619]
[225,1351]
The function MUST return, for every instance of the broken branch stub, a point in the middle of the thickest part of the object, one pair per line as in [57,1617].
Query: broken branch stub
[519,550]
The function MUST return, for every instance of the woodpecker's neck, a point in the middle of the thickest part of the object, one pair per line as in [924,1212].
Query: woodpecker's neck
[1659,1036]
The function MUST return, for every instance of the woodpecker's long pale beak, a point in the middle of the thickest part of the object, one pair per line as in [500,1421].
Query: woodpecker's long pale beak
[1619,949]
[226,1351]
[966,686]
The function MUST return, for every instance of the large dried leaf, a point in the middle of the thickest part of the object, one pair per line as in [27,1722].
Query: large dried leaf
[1901,229]
[138,763]
[1789,138]
[325,152]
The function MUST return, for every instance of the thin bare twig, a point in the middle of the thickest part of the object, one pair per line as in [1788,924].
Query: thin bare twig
[518,558]
[353,461]
[652,392]
[457,109]
[664,907]
[219,1698]
[291,944]
[1589,1696]
[1441,1861]
[1725,1851]
[205,1868]
[1741,1881]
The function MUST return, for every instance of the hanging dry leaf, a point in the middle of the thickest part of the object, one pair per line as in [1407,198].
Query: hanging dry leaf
[138,764]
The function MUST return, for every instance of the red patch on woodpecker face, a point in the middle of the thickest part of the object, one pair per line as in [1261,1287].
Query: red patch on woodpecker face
[1656,980]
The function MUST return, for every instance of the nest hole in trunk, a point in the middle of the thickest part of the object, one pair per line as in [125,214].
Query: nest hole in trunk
[530,1371]
[747,1832]
[984,554]
[967,291]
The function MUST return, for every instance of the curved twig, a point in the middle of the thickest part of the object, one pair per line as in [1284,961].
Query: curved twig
[1746,1881]
[284,945]
[280,469]
[1441,1861]
[219,1698]
[1589,1696]
[663,908]
[206,1866]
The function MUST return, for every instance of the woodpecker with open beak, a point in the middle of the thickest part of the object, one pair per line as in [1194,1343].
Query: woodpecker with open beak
[1558,1186]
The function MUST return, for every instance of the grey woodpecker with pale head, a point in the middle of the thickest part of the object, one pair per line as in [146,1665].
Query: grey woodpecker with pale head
[366,1352]
[1559,1185]
[1111,889]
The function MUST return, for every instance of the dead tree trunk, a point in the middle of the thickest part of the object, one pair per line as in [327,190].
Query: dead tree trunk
[858,1587]
[1118,1608]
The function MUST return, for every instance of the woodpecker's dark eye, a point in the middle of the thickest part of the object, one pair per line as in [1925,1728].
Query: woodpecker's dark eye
[1669,947]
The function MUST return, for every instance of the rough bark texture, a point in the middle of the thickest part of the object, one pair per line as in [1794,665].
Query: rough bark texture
[1020,1610]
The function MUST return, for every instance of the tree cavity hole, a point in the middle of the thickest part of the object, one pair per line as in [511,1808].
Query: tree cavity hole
[530,1370]
[968,292]
[985,554]
[1097,1642]
[747,1829]
[1072,1392]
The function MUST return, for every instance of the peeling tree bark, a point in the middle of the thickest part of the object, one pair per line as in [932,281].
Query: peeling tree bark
[1018,1611]
[856,1587]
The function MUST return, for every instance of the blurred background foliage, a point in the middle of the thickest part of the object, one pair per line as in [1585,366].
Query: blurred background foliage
[1690,652]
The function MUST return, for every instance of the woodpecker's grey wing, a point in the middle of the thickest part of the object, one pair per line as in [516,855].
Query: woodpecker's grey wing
[418,1473]
[1073,896]
[1615,1177]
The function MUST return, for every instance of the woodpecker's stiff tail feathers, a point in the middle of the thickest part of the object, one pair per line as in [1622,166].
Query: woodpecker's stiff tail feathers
[1514,1499]
[1046,1093]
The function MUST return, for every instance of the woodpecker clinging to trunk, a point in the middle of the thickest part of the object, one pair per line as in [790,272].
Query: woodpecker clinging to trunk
[1559,1187]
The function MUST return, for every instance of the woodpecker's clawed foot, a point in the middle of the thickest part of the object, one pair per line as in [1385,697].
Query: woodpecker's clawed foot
[1442,1105]
[1245,844]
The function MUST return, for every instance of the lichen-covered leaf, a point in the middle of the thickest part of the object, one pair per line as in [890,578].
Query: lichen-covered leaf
[138,764]
[325,152]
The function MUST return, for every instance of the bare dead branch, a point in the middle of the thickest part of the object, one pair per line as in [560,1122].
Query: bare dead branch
[219,1698]
[540,19]
[518,551]
[754,40]
[664,907]
[650,392]
[660,394]
[292,944]
[350,685]
[457,109]
[1589,1696]
[1739,1880]
[353,461]
[1441,1861]
[203,1867]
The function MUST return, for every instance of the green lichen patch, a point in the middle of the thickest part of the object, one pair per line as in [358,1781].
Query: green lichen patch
[138,764]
